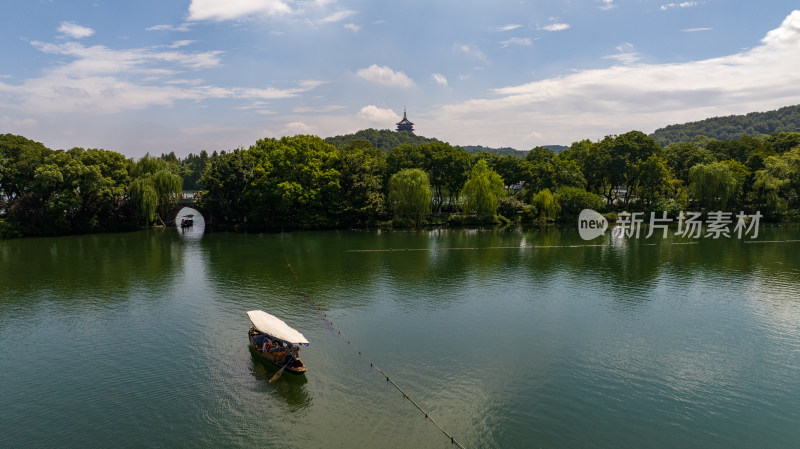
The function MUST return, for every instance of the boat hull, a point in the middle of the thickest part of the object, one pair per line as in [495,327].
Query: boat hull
[276,358]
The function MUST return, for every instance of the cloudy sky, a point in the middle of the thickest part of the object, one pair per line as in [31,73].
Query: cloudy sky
[186,75]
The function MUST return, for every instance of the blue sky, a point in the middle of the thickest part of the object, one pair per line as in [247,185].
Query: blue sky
[188,75]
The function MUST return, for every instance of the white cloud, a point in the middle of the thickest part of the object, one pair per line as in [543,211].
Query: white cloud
[556,27]
[678,5]
[270,93]
[100,80]
[509,27]
[352,27]
[336,17]
[523,41]
[438,78]
[182,27]
[294,128]
[74,30]
[471,51]
[788,34]
[235,9]
[267,93]
[625,54]
[101,59]
[621,98]
[374,114]
[386,76]
[695,30]
[607,4]
[317,109]
[210,129]
[17,123]
[181,43]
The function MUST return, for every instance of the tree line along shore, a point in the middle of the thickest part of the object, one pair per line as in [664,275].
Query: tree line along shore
[306,182]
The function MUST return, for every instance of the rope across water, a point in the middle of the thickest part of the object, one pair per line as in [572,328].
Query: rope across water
[360,353]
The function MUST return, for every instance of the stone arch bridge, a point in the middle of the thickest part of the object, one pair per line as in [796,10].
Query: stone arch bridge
[172,214]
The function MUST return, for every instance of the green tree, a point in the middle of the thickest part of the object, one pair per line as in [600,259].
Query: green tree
[362,168]
[143,194]
[482,190]
[225,178]
[405,156]
[539,164]
[744,180]
[593,161]
[154,178]
[629,152]
[572,200]
[410,194]
[653,181]
[777,186]
[447,167]
[21,158]
[683,156]
[295,182]
[739,149]
[784,141]
[547,205]
[191,170]
[46,192]
[712,185]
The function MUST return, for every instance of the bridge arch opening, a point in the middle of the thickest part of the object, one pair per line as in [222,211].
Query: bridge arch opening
[186,206]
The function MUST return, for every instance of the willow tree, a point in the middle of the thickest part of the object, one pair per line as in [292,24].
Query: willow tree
[482,190]
[712,185]
[154,187]
[777,185]
[546,204]
[144,197]
[410,194]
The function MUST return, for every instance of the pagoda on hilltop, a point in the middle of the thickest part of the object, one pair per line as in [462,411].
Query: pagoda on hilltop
[405,124]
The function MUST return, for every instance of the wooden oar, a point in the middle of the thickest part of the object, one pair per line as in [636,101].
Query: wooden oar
[278,374]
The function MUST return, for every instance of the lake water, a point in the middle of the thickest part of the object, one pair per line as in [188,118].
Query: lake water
[507,338]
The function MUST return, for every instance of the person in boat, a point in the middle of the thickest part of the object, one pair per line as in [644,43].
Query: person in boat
[267,344]
[291,354]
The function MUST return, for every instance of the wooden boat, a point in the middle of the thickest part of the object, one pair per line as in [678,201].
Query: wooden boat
[282,341]
[187,221]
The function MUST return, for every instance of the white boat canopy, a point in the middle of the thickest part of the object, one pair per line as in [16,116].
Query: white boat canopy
[274,326]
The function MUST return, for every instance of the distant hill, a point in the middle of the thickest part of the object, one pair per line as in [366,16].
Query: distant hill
[508,151]
[504,151]
[386,139]
[786,119]
[556,148]
[383,139]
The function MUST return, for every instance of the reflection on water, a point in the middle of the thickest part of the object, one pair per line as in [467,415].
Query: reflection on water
[291,388]
[512,338]
[196,230]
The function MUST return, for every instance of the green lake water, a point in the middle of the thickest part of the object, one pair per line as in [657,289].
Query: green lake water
[507,338]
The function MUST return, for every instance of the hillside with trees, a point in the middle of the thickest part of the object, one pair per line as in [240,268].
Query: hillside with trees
[786,119]
[306,182]
[383,139]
